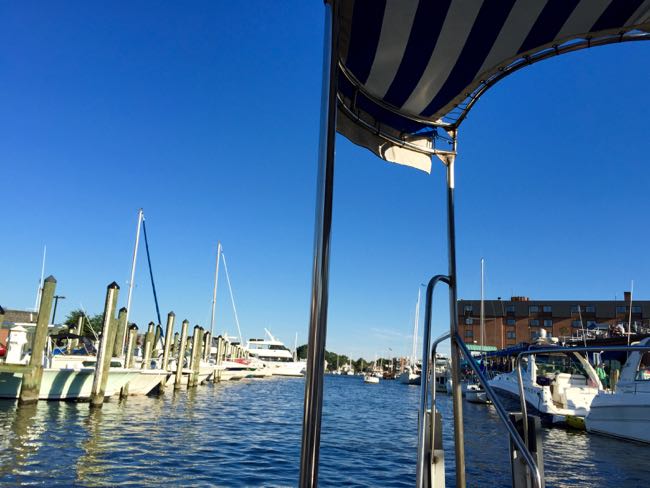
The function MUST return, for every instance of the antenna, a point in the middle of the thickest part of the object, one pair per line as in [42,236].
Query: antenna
[40,283]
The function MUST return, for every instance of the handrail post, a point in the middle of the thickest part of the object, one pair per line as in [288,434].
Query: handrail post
[424,381]
[313,403]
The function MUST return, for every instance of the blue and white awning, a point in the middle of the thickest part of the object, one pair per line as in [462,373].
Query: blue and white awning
[407,66]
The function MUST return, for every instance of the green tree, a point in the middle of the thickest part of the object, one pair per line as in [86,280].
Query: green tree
[91,323]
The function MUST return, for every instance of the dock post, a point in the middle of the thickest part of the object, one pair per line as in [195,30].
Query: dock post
[148,345]
[128,358]
[175,345]
[181,355]
[105,351]
[171,316]
[195,356]
[118,345]
[31,384]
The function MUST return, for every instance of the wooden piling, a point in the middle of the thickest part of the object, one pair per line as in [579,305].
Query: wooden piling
[129,360]
[181,355]
[194,358]
[106,344]
[148,346]
[171,316]
[32,377]
[118,344]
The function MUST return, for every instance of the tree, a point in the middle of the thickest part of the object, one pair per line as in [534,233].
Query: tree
[90,324]
[302,351]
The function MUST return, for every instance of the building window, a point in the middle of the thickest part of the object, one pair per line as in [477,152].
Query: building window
[510,309]
[575,308]
[469,333]
[467,309]
[511,322]
[533,323]
[621,309]
[548,323]
[469,321]
[533,309]
[511,334]
[576,324]
[547,309]
[636,309]
[534,334]
[590,309]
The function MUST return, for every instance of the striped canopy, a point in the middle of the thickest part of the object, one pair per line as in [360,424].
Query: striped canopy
[408,67]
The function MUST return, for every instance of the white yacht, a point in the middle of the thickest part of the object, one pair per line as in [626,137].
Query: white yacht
[556,385]
[276,356]
[369,378]
[626,412]
[410,376]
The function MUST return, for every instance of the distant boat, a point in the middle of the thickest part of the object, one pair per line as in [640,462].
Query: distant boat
[626,413]
[368,378]
[411,375]
[476,394]
[275,355]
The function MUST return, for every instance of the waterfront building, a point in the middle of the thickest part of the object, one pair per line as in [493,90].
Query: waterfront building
[11,318]
[521,319]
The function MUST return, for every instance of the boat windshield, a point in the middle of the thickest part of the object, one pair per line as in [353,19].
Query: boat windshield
[550,364]
[643,372]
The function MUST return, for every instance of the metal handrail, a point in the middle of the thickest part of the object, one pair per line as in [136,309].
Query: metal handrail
[561,349]
[501,412]
[424,378]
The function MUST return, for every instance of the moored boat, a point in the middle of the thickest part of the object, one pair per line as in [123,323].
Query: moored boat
[626,412]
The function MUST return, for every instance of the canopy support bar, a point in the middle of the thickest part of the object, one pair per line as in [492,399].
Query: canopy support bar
[313,404]
[459,435]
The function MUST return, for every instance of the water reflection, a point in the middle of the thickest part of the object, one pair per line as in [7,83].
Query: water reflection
[248,434]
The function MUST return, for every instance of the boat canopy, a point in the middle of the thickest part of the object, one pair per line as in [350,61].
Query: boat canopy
[410,70]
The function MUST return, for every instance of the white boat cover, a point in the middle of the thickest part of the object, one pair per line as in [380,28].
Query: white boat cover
[406,66]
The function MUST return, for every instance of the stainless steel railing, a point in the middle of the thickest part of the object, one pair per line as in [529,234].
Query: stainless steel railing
[429,358]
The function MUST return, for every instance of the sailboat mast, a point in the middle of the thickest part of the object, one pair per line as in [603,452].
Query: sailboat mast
[133,262]
[214,293]
[415,329]
[40,283]
[482,304]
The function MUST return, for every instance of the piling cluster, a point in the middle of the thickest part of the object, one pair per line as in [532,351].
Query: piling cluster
[180,359]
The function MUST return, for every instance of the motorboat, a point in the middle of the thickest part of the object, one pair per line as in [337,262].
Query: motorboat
[369,378]
[555,384]
[476,394]
[275,356]
[62,383]
[410,376]
[626,412]
[141,382]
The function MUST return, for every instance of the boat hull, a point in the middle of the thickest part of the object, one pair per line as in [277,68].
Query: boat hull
[625,416]
[66,384]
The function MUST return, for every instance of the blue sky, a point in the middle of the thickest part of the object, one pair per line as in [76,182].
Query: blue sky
[206,115]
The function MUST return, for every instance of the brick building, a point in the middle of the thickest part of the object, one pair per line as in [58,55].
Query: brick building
[509,322]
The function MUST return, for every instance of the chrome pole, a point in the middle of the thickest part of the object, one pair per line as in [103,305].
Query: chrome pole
[459,439]
[313,404]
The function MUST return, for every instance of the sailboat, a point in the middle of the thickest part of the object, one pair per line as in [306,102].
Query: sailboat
[474,392]
[411,375]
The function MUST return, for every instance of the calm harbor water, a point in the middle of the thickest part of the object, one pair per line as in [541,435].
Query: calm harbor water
[247,433]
